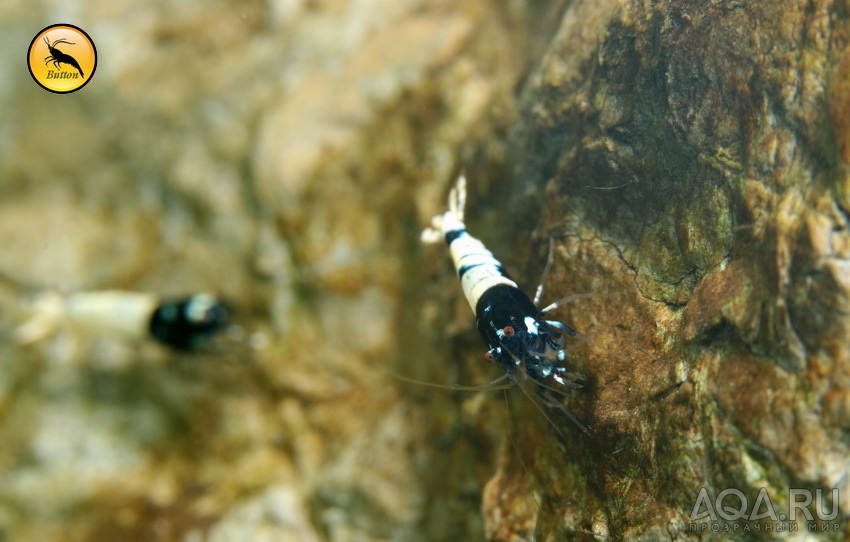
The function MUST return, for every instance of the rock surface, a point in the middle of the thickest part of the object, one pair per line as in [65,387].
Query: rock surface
[688,161]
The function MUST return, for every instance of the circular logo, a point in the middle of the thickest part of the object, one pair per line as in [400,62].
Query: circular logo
[62,58]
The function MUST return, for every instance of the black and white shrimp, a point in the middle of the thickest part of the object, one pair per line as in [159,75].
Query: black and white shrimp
[523,343]
[184,324]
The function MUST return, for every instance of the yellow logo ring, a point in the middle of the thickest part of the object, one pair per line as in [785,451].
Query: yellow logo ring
[62,58]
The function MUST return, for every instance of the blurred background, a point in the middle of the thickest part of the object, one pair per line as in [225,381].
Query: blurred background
[284,155]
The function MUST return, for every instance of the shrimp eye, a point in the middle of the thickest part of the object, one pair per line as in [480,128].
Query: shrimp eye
[489,357]
[508,331]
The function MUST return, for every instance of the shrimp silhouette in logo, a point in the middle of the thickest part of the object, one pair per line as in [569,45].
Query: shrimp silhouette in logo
[58,57]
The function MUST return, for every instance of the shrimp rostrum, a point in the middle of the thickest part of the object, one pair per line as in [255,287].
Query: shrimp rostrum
[523,343]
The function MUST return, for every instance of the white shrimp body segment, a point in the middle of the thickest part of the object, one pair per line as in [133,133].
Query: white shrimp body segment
[477,268]
[126,313]
[109,311]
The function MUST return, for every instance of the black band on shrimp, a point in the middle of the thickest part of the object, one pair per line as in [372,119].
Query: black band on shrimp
[187,323]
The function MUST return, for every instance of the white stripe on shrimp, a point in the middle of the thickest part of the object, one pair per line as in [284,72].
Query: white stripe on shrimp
[478,270]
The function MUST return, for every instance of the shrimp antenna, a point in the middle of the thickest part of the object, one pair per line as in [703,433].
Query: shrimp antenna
[546,269]
[570,298]
[484,387]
